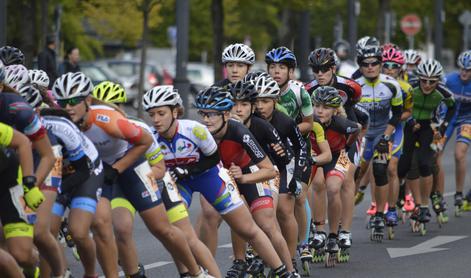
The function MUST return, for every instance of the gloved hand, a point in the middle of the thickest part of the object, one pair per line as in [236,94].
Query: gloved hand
[383,145]
[295,188]
[33,197]
[179,173]
[111,174]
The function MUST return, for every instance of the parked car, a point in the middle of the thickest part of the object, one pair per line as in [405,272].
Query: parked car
[99,72]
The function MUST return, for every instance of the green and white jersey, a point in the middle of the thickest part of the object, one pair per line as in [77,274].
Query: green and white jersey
[296,101]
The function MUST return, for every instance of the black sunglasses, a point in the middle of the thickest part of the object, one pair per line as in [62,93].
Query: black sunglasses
[428,81]
[208,114]
[373,64]
[71,101]
[323,69]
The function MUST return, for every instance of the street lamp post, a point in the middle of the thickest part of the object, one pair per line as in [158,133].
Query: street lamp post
[181,81]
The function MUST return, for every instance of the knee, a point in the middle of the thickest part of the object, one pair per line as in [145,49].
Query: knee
[123,231]
[460,156]
[78,232]
[23,256]
[332,192]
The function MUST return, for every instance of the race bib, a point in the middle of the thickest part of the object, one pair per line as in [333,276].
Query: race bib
[261,186]
[144,172]
[25,213]
[172,188]
[343,163]
[54,178]
[466,131]
[230,185]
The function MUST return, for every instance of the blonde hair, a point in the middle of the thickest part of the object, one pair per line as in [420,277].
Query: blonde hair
[96,101]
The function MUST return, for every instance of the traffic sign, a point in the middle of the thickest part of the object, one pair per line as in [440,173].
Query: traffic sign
[465,18]
[411,24]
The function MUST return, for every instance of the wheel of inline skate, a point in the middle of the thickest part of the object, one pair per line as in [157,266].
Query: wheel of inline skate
[422,229]
[458,211]
[343,256]
[390,233]
[306,268]
[76,254]
[330,259]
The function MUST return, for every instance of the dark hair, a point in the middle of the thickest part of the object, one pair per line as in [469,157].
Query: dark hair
[69,51]
[50,39]
[54,112]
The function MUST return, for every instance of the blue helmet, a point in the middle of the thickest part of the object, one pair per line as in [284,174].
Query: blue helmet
[215,98]
[281,55]
[464,60]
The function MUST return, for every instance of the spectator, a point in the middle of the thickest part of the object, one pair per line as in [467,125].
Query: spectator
[71,61]
[47,59]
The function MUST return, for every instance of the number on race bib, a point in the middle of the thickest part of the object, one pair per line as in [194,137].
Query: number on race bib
[144,172]
[230,185]
[466,131]
[172,188]
[343,163]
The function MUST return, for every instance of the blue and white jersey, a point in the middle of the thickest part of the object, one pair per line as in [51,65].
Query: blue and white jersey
[462,95]
[74,143]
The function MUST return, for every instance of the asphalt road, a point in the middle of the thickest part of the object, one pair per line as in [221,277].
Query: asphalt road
[442,252]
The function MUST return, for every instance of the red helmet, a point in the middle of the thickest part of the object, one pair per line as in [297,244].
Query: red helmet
[389,45]
[393,55]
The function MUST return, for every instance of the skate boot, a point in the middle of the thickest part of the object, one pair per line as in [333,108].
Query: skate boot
[439,206]
[345,242]
[64,233]
[203,274]
[467,202]
[282,272]
[370,213]
[359,196]
[249,254]
[237,270]
[306,259]
[318,245]
[458,204]
[256,269]
[408,207]
[391,221]
[377,231]
[331,250]
[423,219]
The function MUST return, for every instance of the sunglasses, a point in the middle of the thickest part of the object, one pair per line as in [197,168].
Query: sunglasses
[71,101]
[373,64]
[209,114]
[428,81]
[323,69]
[391,65]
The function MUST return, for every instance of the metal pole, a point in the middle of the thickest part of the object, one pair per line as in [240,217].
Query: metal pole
[387,26]
[304,45]
[3,22]
[352,26]
[439,19]
[181,81]
[466,34]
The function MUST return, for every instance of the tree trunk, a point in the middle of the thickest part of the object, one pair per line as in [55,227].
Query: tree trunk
[217,12]
[27,38]
[384,6]
[44,21]
[145,31]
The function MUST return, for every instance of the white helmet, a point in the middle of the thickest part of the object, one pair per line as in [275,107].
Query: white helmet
[267,87]
[430,68]
[412,56]
[238,52]
[72,85]
[161,96]
[39,78]
[32,95]
[16,76]
[464,60]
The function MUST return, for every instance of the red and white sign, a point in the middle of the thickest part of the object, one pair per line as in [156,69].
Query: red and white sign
[411,24]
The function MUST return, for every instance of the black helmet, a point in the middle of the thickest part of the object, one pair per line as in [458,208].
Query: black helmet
[244,91]
[326,95]
[341,46]
[216,98]
[322,57]
[366,42]
[11,55]
[368,52]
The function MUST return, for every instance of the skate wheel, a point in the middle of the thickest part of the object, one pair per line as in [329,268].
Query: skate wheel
[390,233]
[422,229]
[457,211]
[75,253]
[330,259]
[306,268]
